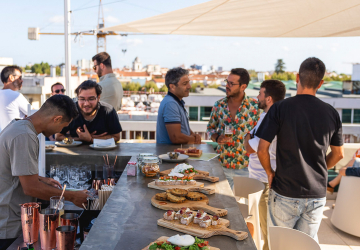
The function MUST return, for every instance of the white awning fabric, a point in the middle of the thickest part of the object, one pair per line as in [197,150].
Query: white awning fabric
[255,18]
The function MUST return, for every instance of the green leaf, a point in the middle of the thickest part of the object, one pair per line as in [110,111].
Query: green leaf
[153,246]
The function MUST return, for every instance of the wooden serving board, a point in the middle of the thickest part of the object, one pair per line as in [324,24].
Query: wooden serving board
[196,230]
[198,187]
[201,175]
[164,238]
[192,205]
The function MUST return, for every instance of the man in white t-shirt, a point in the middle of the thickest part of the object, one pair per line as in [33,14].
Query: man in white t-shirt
[270,92]
[12,103]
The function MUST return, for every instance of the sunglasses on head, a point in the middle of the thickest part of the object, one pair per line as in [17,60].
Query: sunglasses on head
[58,91]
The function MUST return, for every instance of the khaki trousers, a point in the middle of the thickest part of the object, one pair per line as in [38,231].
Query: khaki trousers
[263,208]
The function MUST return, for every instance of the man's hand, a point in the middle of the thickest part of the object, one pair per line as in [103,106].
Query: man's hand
[50,182]
[84,135]
[197,139]
[79,197]
[98,136]
[271,176]
[223,139]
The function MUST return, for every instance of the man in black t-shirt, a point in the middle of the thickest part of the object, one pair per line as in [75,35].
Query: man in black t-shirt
[96,120]
[305,128]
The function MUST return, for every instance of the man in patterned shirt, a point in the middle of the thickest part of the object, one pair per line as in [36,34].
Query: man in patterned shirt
[242,113]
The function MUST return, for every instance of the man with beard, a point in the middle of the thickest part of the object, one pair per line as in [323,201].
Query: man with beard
[241,113]
[271,91]
[96,120]
[19,153]
[173,121]
[12,103]
[112,91]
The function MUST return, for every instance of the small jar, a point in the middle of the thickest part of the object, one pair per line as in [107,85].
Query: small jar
[142,155]
[150,166]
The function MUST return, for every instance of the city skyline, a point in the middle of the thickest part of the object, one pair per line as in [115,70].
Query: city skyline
[169,51]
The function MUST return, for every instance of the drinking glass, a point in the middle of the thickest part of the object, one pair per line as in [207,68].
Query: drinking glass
[52,171]
[229,131]
[54,200]
[74,176]
[61,173]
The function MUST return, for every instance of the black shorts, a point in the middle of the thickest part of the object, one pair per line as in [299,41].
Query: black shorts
[353,172]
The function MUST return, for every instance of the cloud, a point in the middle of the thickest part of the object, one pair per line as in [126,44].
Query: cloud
[112,19]
[57,19]
[286,48]
[134,42]
[319,46]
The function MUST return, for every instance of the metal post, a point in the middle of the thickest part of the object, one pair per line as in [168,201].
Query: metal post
[67,24]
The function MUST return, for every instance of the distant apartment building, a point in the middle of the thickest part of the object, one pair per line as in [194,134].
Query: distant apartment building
[85,64]
[5,61]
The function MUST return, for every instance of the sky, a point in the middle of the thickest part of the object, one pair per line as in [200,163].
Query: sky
[260,54]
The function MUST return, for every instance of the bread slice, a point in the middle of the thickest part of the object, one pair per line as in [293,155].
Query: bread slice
[215,220]
[180,213]
[175,199]
[187,218]
[206,222]
[161,196]
[179,192]
[169,215]
[199,216]
[195,196]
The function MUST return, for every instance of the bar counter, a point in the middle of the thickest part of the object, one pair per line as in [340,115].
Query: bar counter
[128,221]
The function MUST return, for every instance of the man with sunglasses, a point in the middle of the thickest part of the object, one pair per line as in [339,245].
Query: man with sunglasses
[112,91]
[12,103]
[240,113]
[57,89]
[96,120]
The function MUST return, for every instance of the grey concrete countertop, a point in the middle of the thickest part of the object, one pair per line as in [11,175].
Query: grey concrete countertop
[129,221]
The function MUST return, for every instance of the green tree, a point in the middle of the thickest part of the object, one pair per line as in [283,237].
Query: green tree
[252,73]
[163,89]
[213,85]
[41,68]
[195,85]
[280,66]
[291,76]
[279,76]
[151,85]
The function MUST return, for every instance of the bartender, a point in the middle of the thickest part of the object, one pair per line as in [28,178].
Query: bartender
[96,120]
[19,153]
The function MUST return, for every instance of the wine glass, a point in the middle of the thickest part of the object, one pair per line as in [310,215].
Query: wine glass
[229,131]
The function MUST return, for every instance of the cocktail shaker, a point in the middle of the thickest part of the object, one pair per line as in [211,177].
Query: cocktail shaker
[49,220]
[30,221]
[65,237]
[70,219]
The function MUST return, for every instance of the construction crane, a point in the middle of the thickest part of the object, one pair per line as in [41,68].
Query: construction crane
[34,33]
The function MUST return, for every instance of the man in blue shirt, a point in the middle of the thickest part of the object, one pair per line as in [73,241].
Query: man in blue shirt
[173,121]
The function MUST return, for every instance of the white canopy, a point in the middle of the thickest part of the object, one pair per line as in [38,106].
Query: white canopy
[256,18]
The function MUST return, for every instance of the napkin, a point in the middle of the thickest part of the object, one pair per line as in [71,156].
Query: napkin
[104,143]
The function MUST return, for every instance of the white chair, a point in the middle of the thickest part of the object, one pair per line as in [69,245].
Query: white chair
[282,238]
[250,189]
[346,216]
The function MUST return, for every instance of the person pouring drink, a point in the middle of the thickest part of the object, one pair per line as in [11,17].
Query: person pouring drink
[19,153]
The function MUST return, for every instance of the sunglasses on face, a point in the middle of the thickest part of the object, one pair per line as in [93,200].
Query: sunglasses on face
[94,67]
[58,91]
[20,77]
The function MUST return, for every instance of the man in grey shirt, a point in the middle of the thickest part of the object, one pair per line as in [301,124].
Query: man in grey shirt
[19,152]
[112,91]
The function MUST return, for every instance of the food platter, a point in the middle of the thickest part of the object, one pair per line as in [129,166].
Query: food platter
[62,144]
[181,158]
[49,147]
[102,148]
[200,175]
[198,187]
[164,238]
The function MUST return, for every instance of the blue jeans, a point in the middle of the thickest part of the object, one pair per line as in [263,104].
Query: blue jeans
[230,173]
[303,214]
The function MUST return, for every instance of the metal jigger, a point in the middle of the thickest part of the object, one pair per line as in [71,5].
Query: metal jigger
[49,221]
[70,219]
[65,237]
[30,221]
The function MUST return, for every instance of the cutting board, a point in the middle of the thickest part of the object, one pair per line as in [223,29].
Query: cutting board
[164,238]
[201,175]
[193,205]
[200,232]
[198,187]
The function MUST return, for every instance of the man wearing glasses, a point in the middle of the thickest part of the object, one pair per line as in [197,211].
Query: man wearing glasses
[240,113]
[12,103]
[112,91]
[96,120]
[57,89]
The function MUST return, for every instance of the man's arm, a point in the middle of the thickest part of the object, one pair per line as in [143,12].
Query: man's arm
[247,146]
[176,137]
[264,157]
[35,188]
[336,154]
